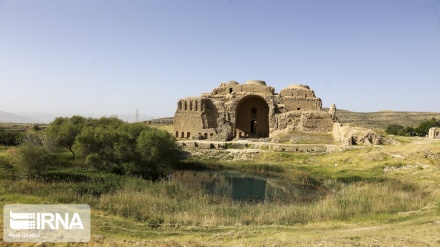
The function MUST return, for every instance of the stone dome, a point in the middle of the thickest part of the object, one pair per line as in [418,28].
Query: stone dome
[233,83]
[256,82]
[298,86]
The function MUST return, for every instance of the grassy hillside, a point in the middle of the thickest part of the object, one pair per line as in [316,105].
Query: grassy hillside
[381,119]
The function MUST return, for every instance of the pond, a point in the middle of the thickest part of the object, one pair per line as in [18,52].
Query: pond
[248,187]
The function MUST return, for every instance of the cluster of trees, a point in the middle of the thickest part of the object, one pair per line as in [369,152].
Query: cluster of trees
[8,138]
[106,144]
[421,130]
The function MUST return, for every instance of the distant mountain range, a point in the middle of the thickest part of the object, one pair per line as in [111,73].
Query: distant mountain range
[42,117]
[6,117]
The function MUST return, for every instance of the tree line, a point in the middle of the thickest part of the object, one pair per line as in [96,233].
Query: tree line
[105,144]
[421,130]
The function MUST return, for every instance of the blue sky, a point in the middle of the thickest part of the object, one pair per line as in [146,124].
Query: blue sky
[110,57]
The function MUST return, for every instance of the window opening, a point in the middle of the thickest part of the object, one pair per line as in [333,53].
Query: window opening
[254,112]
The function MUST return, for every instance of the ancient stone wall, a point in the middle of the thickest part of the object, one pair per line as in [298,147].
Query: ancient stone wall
[258,87]
[194,114]
[316,121]
[310,121]
[292,103]
[298,90]
[434,133]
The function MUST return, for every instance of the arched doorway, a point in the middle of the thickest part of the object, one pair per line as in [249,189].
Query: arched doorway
[252,117]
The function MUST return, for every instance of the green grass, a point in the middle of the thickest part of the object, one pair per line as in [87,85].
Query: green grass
[365,205]
[299,137]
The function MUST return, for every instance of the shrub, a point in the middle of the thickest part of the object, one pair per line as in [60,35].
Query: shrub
[9,138]
[33,158]
[36,128]
[394,129]
[86,182]
[114,146]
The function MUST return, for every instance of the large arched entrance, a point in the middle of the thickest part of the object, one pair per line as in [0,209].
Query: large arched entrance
[252,117]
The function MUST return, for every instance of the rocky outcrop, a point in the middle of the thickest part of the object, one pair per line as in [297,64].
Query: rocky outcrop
[348,135]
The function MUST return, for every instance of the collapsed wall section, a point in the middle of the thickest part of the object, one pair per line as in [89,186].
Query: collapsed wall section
[309,121]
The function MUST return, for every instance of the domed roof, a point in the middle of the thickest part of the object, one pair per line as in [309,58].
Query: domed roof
[233,83]
[256,82]
[298,86]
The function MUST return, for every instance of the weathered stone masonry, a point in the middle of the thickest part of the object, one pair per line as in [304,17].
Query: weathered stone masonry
[250,110]
[434,133]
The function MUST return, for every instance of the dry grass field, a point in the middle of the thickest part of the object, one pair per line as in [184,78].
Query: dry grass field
[386,195]
[381,119]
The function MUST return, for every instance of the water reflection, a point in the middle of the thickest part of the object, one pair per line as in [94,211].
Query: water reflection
[248,187]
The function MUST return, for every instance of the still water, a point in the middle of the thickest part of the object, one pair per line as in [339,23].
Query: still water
[248,187]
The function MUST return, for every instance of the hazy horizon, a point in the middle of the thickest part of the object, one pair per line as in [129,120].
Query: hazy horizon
[47,117]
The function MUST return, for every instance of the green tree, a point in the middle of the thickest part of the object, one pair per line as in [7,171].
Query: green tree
[109,144]
[32,156]
[8,138]
[424,126]
[158,151]
[394,129]
[97,146]
[63,131]
[410,131]
[107,122]
[36,128]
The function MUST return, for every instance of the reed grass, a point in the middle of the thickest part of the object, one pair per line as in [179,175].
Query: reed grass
[172,204]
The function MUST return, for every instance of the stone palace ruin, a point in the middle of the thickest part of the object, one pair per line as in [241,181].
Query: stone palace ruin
[251,110]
